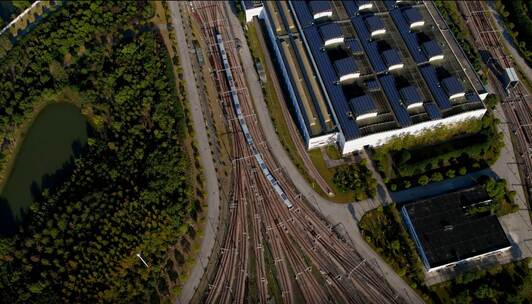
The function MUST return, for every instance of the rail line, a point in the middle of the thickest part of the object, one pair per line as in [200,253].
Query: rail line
[267,213]
[516,102]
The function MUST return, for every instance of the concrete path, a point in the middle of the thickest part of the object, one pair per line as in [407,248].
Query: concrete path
[338,214]
[207,164]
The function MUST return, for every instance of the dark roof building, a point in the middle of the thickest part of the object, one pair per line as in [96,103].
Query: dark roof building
[448,229]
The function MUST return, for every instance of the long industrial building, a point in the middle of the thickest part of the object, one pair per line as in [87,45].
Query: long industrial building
[359,73]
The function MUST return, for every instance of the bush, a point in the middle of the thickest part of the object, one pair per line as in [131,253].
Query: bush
[423,180]
[356,178]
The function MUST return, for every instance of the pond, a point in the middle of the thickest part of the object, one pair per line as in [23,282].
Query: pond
[57,135]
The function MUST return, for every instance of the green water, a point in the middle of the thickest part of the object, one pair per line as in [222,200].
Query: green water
[58,134]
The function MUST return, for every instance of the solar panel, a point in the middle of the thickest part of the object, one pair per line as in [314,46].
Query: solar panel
[432,50]
[429,74]
[350,7]
[413,17]
[319,6]
[374,24]
[453,86]
[302,13]
[388,84]
[410,96]
[373,85]
[330,32]
[370,47]
[472,97]
[354,46]
[328,75]
[392,59]
[432,110]
[346,66]
[362,105]
[410,38]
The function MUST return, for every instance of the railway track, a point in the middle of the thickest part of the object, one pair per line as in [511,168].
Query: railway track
[516,102]
[265,211]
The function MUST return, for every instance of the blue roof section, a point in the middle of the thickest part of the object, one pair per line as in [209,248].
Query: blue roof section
[391,57]
[330,31]
[429,74]
[473,97]
[432,110]
[452,85]
[319,6]
[431,48]
[374,23]
[373,85]
[302,13]
[354,45]
[251,3]
[370,47]
[412,15]
[328,75]
[362,105]
[409,38]
[410,95]
[346,66]
[388,84]
[350,7]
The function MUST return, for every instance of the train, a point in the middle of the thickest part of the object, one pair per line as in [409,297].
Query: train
[243,125]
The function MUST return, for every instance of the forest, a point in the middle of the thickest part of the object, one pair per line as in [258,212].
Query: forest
[129,192]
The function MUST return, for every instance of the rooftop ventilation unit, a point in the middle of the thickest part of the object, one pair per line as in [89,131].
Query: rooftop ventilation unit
[364,5]
[410,97]
[320,9]
[453,87]
[331,34]
[375,26]
[363,107]
[346,69]
[432,50]
[392,59]
[413,17]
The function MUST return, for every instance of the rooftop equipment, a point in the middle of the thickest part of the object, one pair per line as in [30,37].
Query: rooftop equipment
[375,26]
[410,97]
[346,69]
[320,9]
[413,17]
[331,34]
[363,107]
[364,5]
[453,87]
[432,50]
[392,59]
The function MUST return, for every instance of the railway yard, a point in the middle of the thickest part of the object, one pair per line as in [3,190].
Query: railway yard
[515,100]
[276,244]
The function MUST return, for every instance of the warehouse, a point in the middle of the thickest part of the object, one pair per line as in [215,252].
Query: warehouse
[359,73]
[448,229]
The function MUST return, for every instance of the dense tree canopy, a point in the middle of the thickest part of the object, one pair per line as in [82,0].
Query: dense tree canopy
[128,193]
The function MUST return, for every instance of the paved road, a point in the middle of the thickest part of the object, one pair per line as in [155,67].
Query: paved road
[211,181]
[338,214]
[499,23]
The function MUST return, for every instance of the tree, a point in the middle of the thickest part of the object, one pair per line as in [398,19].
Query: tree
[423,180]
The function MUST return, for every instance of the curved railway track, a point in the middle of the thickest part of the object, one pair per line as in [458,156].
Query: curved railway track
[265,211]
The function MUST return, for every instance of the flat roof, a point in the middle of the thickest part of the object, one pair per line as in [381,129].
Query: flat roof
[350,31]
[447,232]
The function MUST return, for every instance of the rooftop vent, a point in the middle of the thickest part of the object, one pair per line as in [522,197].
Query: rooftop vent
[410,97]
[453,87]
[346,69]
[331,34]
[392,59]
[320,9]
[413,17]
[432,50]
[363,107]
[375,26]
